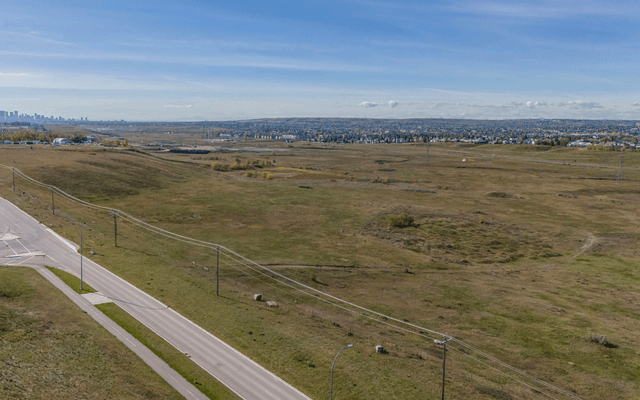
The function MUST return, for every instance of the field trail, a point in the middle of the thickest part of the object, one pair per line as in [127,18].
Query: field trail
[588,244]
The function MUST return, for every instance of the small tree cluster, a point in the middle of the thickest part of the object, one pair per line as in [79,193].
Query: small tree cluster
[238,165]
[27,134]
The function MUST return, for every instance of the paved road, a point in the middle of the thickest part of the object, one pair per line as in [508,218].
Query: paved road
[36,245]
[186,389]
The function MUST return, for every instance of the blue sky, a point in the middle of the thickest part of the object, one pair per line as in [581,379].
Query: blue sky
[195,60]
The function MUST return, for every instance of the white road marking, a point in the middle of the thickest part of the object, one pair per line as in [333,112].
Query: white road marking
[14,252]
[25,247]
[37,253]
[8,235]
[12,262]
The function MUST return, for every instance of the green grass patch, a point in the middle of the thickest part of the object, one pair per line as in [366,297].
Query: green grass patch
[51,349]
[72,281]
[206,383]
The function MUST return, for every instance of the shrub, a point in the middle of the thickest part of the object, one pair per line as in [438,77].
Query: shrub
[249,174]
[400,221]
[219,167]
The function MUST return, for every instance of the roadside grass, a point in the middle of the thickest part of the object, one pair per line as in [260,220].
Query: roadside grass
[502,257]
[50,349]
[200,378]
[72,281]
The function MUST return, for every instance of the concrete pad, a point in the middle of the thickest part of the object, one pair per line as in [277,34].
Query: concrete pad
[96,298]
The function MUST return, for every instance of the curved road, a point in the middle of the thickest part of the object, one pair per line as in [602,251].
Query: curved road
[35,244]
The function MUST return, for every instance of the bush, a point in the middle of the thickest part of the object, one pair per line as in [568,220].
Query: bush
[249,174]
[219,167]
[266,175]
[400,221]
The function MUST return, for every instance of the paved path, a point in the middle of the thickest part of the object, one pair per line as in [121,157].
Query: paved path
[242,375]
[176,380]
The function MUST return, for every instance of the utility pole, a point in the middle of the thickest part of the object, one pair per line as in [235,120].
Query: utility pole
[53,205]
[115,226]
[444,360]
[217,271]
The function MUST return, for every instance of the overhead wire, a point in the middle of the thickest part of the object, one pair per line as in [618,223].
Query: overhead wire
[257,267]
[503,373]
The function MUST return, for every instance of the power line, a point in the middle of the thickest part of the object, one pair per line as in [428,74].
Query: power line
[291,283]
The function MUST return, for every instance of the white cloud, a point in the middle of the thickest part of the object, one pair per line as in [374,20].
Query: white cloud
[178,106]
[370,104]
[636,104]
[249,61]
[579,104]
[533,104]
[13,74]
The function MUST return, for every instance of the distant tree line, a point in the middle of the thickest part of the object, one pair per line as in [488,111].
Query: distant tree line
[27,134]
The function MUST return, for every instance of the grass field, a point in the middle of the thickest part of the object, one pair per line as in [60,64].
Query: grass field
[527,253]
[50,349]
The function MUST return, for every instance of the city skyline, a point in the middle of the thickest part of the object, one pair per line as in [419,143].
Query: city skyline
[196,60]
[16,116]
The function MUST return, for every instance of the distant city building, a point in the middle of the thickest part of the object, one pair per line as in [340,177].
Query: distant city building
[15,116]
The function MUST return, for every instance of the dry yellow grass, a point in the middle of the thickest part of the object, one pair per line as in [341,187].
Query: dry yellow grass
[513,250]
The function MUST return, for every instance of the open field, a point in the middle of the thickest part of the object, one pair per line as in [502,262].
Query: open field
[52,350]
[513,250]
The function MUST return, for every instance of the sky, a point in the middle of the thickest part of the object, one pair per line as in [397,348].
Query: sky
[213,60]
